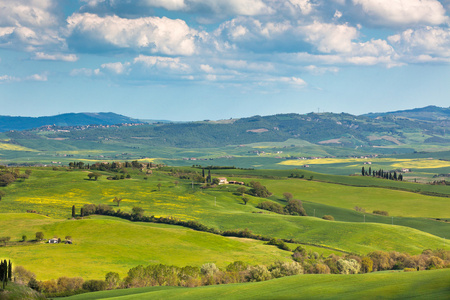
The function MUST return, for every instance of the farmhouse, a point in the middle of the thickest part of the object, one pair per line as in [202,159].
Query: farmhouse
[54,241]
[222,180]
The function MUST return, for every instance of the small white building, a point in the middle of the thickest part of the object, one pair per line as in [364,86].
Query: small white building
[222,180]
[53,241]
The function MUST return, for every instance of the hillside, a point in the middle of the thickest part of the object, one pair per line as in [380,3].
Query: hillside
[8,123]
[414,285]
[429,113]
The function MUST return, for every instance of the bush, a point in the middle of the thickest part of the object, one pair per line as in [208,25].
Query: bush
[409,270]
[328,217]
[271,206]
[259,273]
[366,265]
[381,212]
[350,266]
[94,285]
[282,269]
[295,207]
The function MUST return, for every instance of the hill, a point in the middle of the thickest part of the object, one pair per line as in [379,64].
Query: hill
[428,113]
[413,285]
[8,123]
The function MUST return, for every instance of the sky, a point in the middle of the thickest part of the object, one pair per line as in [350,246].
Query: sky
[186,60]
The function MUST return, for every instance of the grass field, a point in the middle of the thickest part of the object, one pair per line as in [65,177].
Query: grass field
[413,285]
[101,245]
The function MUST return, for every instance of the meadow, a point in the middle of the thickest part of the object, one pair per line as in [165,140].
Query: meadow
[102,245]
[380,285]
[53,193]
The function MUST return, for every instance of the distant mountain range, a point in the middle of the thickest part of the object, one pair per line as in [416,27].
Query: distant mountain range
[8,123]
[429,113]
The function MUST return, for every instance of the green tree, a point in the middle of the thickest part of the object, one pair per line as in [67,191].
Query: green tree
[241,190]
[117,200]
[295,207]
[24,238]
[39,236]
[245,199]
[288,196]
[73,211]
[137,212]
[159,186]
[2,194]
[112,280]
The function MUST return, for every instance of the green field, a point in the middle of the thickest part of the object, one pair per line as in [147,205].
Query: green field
[54,192]
[102,245]
[414,285]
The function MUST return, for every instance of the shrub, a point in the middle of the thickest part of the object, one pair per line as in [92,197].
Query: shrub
[328,217]
[381,212]
[23,276]
[271,206]
[94,285]
[295,207]
[366,265]
[409,270]
[282,269]
[259,273]
[350,266]
[321,269]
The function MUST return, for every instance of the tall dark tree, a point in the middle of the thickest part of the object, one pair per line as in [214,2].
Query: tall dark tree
[9,271]
[363,172]
[82,212]
[73,211]
[370,171]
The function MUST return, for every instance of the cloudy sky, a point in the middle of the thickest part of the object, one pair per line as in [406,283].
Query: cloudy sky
[218,59]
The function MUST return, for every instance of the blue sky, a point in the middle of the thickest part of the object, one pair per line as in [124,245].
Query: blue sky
[219,59]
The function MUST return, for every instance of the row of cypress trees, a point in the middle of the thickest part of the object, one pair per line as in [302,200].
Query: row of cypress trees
[5,272]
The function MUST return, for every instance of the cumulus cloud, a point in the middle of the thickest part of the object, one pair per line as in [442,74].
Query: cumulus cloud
[217,7]
[57,56]
[34,77]
[30,24]
[423,43]
[402,12]
[153,34]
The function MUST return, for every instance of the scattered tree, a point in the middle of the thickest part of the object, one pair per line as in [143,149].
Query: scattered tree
[73,211]
[159,186]
[241,190]
[245,199]
[328,217]
[288,196]
[117,200]
[39,236]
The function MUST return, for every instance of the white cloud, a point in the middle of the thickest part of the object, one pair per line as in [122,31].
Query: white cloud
[423,42]
[330,37]
[295,81]
[154,34]
[117,67]
[159,62]
[57,56]
[207,68]
[34,77]
[29,24]
[305,6]
[206,7]
[403,12]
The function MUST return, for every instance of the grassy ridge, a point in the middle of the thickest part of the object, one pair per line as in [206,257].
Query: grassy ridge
[104,245]
[219,208]
[397,203]
[417,285]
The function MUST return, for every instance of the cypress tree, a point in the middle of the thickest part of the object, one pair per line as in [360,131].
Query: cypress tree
[10,271]
[73,211]
[82,212]
[362,171]
[370,171]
